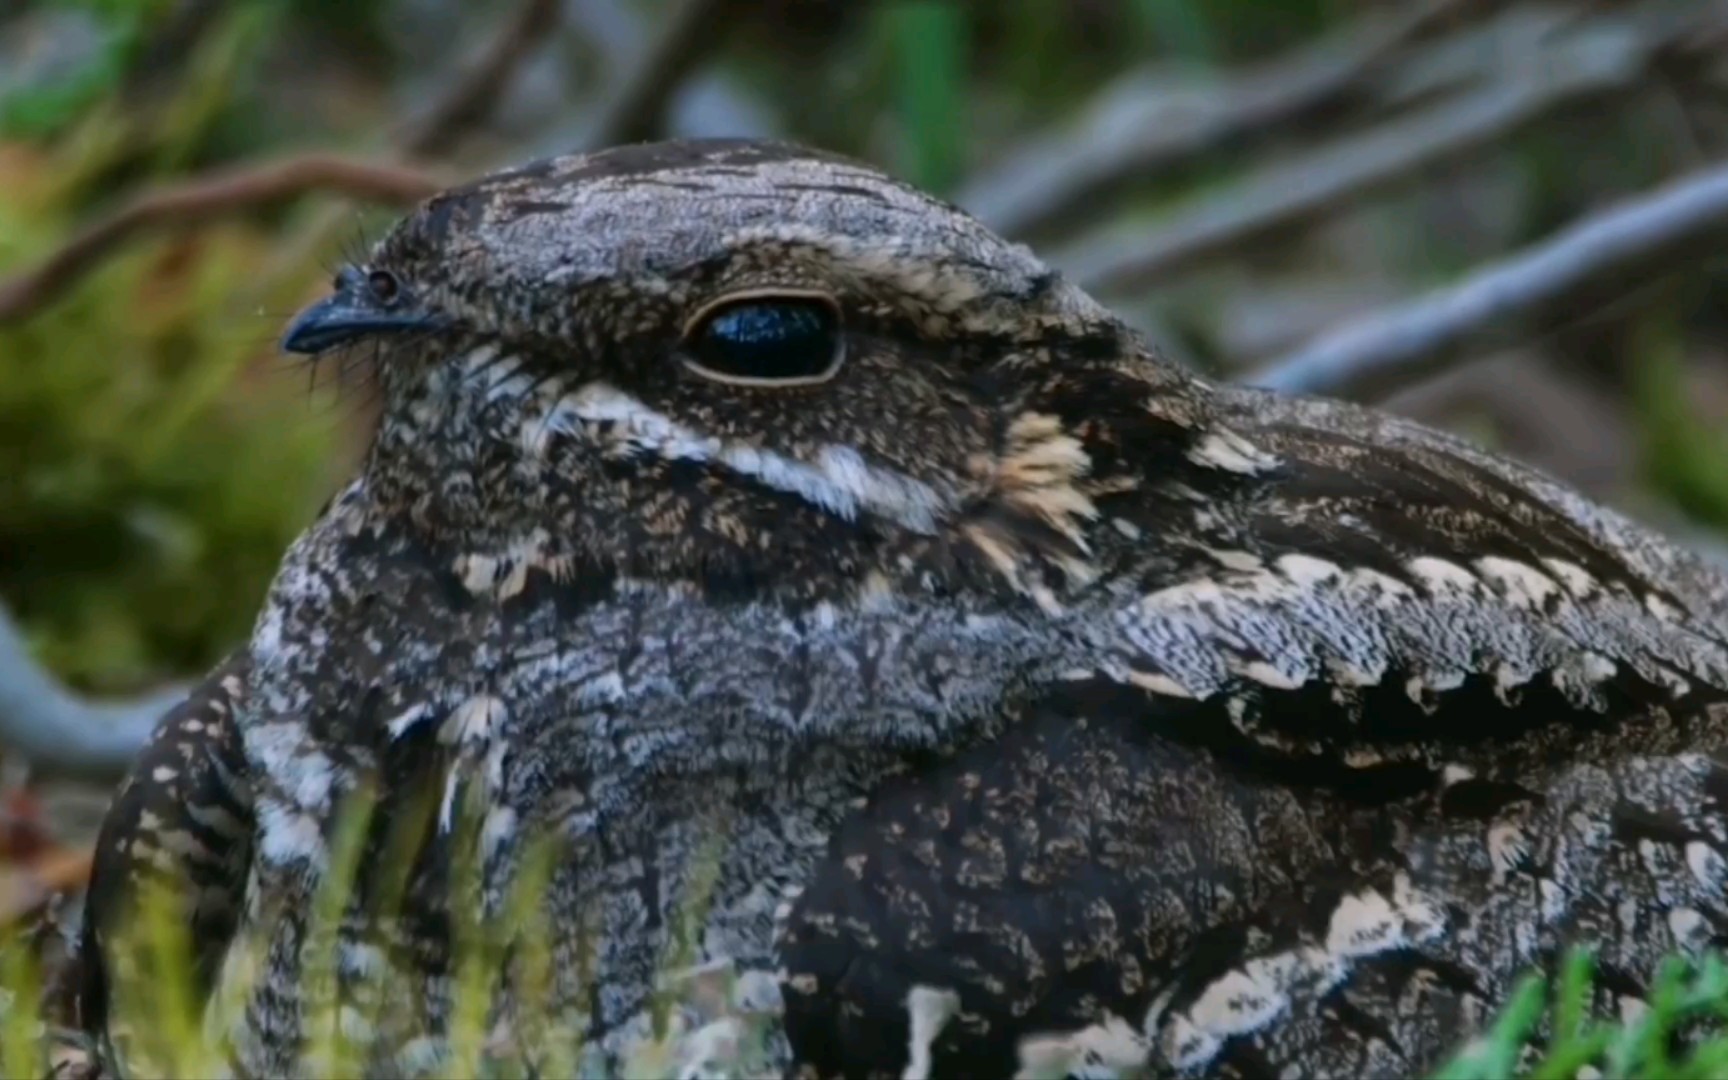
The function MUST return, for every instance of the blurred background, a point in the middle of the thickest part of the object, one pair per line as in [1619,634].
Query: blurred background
[1504,218]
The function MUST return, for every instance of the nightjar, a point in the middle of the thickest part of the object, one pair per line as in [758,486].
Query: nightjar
[908,671]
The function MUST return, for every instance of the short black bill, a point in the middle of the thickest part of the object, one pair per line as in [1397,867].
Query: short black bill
[353,311]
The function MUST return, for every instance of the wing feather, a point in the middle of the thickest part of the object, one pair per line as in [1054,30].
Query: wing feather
[182,819]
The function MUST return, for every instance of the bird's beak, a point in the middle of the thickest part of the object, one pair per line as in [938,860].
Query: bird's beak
[347,314]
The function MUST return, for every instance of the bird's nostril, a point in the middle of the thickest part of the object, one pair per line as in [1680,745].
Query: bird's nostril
[385,288]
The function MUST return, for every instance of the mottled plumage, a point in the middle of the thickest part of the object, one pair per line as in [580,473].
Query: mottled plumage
[179,830]
[1002,699]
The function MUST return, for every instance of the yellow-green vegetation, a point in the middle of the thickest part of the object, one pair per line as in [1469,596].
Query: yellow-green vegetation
[1545,1030]
[1687,997]
[158,459]
[501,960]
[1685,454]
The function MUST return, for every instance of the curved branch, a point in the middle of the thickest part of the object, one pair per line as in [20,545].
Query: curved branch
[1591,62]
[470,98]
[1685,220]
[59,732]
[195,202]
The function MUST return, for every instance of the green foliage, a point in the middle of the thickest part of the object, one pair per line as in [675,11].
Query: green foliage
[154,477]
[22,1032]
[1685,455]
[1685,994]
[208,107]
[159,1030]
[47,105]
[162,115]
[1178,27]
[146,500]
[1545,1031]
[928,42]
[931,87]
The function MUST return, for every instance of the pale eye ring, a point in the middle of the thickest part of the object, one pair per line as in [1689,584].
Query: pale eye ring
[385,287]
[769,339]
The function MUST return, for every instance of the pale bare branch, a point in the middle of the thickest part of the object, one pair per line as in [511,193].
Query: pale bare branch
[57,731]
[1145,123]
[1609,252]
[1597,59]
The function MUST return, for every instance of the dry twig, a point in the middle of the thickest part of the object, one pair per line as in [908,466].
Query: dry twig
[196,202]
[1609,55]
[1141,126]
[1627,244]
[468,101]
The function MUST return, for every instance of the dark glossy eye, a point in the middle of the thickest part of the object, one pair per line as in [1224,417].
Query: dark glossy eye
[385,288]
[766,341]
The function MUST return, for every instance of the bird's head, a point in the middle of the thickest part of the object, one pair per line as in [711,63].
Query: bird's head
[742,363]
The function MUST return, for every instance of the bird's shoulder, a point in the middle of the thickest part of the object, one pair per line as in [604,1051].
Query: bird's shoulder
[1363,595]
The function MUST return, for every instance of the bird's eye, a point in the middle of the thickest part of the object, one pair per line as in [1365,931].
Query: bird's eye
[766,341]
[385,288]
